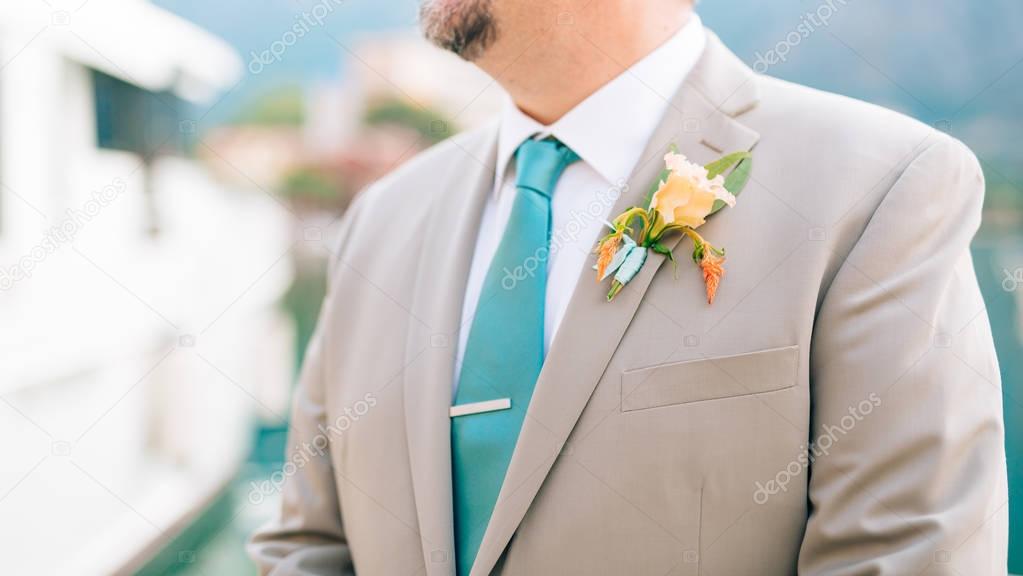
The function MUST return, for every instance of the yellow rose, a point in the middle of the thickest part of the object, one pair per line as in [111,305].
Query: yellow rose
[683,201]
[688,196]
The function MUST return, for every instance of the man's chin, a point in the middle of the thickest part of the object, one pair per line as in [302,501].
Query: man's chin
[465,27]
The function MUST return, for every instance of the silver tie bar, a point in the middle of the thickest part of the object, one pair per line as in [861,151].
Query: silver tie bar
[480,407]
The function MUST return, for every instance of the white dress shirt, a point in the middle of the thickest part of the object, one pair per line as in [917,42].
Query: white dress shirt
[608,130]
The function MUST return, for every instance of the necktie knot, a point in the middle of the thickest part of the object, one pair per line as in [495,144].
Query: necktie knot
[539,164]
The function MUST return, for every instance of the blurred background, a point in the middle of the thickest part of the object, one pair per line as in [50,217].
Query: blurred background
[171,176]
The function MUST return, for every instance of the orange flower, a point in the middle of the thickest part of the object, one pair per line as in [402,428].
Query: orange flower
[712,265]
[687,196]
[681,201]
[606,252]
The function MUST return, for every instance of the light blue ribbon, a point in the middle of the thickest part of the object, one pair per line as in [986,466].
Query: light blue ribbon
[632,264]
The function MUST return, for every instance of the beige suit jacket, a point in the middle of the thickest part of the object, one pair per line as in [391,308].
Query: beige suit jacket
[837,410]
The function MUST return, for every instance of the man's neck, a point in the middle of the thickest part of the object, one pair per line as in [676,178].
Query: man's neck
[549,70]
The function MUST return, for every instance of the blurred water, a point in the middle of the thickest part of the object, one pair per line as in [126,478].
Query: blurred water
[997,260]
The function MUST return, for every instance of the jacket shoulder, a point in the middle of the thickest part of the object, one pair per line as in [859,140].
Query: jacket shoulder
[838,120]
[834,157]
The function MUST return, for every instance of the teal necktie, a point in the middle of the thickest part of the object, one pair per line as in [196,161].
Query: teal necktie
[504,351]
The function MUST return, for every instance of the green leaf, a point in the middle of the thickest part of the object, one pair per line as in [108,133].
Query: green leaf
[735,182]
[722,165]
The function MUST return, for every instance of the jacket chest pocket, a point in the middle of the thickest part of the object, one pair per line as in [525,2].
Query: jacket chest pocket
[709,379]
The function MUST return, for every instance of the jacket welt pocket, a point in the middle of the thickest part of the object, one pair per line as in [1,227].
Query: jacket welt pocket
[709,378]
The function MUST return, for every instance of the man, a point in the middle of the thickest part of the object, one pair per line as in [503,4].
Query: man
[475,404]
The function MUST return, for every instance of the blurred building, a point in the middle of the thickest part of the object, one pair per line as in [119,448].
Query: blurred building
[399,67]
[398,95]
[252,154]
[140,327]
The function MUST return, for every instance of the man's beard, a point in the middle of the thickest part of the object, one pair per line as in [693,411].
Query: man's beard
[465,27]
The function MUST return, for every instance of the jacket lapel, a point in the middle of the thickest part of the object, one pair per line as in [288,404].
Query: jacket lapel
[446,254]
[700,121]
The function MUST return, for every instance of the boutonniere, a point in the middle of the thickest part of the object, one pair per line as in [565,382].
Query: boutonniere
[680,201]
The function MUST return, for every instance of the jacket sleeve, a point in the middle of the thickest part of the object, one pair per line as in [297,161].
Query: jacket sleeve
[914,483]
[307,537]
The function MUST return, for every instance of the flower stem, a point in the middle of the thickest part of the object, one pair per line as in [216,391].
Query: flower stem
[616,287]
[625,217]
[697,239]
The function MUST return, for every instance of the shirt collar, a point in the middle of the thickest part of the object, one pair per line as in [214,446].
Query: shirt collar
[607,139]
